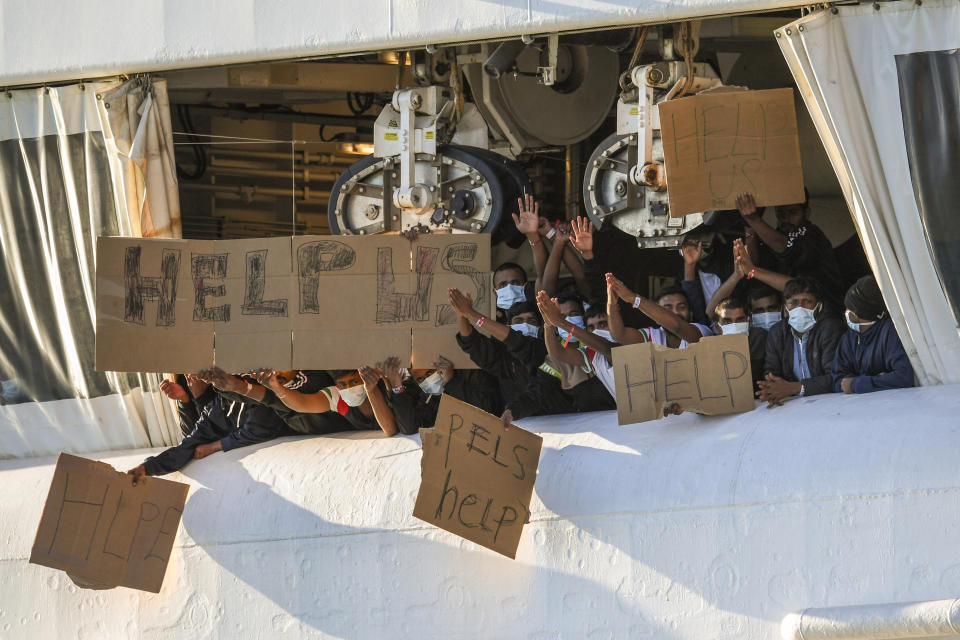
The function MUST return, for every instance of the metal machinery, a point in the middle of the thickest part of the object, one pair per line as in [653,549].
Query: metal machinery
[625,183]
[442,163]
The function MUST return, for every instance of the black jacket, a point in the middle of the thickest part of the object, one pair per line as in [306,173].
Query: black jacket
[821,349]
[498,360]
[415,410]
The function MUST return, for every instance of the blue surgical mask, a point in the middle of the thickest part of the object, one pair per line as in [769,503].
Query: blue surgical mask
[603,333]
[802,319]
[526,329]
[859,327]
[765,320]
[734,328]
[432,385]
[574,320]
[509,295]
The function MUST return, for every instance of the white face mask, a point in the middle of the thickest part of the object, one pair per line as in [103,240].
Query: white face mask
[526,329]
[432,385]
[734,328]
[574,320]
[603,333]
[509,295]
[802,319]
[859,327]
[765,320]
[354,396]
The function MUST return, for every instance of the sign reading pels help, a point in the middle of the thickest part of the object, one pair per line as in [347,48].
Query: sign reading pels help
[477,476]
[710,377]
[105,532]
[717,145]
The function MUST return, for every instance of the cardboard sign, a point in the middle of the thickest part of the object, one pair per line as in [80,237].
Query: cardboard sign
[307,302]
[710,377]
[477,477]
[104,531]
[719,145]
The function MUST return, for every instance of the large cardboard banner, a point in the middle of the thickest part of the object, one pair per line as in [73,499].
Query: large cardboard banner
[477,476]
[710,377]
[104,531]
[304,302]
[717,145]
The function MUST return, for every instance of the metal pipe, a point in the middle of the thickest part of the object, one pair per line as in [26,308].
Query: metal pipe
[931,619]
[302,156]
[254,113]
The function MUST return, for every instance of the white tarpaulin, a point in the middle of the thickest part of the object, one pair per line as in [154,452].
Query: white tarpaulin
[853,68]
[59,190]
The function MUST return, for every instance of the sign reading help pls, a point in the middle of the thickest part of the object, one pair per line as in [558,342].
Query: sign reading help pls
[720,144]
[477,476]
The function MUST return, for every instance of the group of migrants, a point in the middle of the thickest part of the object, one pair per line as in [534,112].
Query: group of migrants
[548,350]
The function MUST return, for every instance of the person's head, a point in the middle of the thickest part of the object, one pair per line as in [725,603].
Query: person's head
[509,273]
[570,306]
[674,299]
[524,313]
[791,217]
[596,319]
[864,304]
[430,381]
[764,299]
[732,316]
[346,378]
[419,375]
[802,302]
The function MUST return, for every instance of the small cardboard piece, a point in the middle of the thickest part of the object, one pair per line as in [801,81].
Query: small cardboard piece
[717,145]
[477,477]
[711,377]
[104,531]
[315,302]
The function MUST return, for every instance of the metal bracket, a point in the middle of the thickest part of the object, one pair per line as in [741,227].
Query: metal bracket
[548,75]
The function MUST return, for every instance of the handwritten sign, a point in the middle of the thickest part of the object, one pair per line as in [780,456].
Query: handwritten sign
[306,302]
[103,531]
[477,476]
[709,377]
[719,145]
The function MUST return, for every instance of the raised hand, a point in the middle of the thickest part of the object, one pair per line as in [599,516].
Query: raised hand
[220,379]
[267,378]
[583,236]
[746,205]
[174,391]
[462,303]
[549,309]
[619,289]
[528,219]
[445,368]
[391,371]
[692,253]
[370,377]
[742,259]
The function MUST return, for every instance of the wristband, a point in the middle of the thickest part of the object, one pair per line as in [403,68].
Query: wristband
[534,243]
[573,328]
[249,388]
[480,321]
[752,273]
[398,389]
[551,233]
[637,301]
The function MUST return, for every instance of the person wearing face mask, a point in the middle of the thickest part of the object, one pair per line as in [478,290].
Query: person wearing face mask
[414,395]
[510,286]
[357,395]
[801,347]
[514,354]
[766,307]
[870,356]
[670,309]
[732,319]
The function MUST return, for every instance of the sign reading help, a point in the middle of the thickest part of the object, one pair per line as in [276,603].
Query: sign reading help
[104,531]
[477,476]
[717,145]
[710,377]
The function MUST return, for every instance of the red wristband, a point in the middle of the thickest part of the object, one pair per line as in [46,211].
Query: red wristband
[534,243]
[481,320]
[752,273]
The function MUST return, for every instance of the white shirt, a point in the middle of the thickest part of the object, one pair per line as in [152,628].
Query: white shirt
[709,283]
[604,372]
[658,335]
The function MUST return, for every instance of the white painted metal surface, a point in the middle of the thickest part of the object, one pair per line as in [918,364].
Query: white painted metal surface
[938,619]
[51,40]
[690,527]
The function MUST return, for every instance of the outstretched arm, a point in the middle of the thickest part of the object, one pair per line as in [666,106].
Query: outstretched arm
[664,317]
[770,236]
[528,221]
[551,274]
[744,263]
[301,402]
[725,290]
[618,331]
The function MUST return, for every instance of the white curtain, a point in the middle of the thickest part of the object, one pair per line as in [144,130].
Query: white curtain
[845,63]
[62,184]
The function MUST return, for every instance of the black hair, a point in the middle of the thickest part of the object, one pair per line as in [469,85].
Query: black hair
[802,285]
[594,311]
[733,303]
[670,291]
[574,298]
[510,265]
[336,374]
[762,291]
